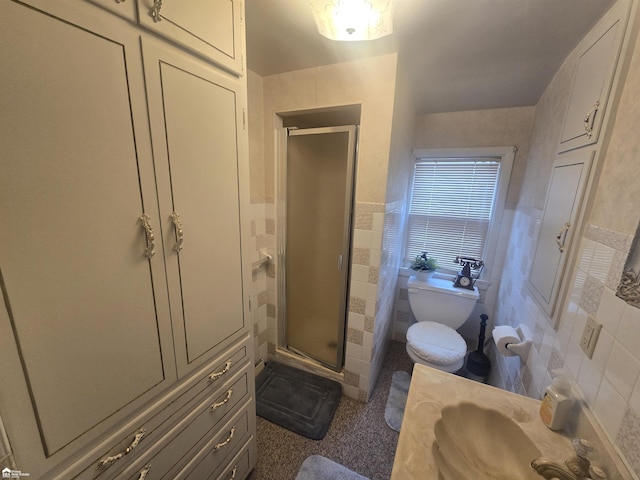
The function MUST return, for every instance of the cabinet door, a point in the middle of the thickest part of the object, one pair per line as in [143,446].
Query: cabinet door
[564,198]
[82,302]
[593,80]
[196,123]
[211,28]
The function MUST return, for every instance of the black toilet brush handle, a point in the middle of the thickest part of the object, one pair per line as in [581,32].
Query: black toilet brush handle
[483,326]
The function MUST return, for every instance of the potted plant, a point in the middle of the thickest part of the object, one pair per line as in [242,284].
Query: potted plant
[424,266]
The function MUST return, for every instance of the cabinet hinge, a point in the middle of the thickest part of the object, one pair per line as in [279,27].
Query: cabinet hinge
[244,118]
[241,13]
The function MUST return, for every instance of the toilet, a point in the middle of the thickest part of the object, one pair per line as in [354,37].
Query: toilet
[440,309]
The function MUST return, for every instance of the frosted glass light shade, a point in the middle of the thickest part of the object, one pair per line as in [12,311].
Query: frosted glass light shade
[353,20]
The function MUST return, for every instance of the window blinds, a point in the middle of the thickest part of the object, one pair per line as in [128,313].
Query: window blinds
[452,202]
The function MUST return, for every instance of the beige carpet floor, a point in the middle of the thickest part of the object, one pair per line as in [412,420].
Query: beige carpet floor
[358,437]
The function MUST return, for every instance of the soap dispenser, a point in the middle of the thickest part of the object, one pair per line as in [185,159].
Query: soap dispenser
[556,402]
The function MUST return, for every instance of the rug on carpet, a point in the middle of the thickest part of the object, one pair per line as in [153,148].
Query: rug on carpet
[317,467]
[394,410]
[297,400]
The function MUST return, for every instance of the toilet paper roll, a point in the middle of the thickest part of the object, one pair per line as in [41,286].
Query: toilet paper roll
[502,336]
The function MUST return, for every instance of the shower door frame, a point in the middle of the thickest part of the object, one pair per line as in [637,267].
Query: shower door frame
[282,136]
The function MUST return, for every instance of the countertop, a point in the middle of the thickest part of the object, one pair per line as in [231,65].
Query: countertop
[431,390]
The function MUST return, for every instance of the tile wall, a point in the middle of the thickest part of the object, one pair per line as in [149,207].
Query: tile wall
[371,293]
[609,381]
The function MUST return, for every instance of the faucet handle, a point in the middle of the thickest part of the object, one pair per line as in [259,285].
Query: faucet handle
[579,465]
[582,447]
[596,473]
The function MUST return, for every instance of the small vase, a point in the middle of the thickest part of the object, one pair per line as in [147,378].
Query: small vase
[424,275]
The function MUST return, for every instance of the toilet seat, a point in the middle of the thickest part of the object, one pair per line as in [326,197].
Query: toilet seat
[436,345]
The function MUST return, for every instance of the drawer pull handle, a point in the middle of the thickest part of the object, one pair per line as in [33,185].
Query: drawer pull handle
[150,251]
[215,406]
[226,442]
[561,241]
[143,472]
[233,473]
[107,461]
[175,218]
[590,118]
[214,376]
[155,11]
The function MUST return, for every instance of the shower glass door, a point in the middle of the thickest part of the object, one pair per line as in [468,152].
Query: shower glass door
[318,203]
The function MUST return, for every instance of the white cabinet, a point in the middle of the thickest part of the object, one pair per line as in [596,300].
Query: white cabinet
[106,327]
[196,122]
[93,335]
[211,28]
[564,198]
[593,80]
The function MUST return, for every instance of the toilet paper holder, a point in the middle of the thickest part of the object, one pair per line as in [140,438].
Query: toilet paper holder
[511,346]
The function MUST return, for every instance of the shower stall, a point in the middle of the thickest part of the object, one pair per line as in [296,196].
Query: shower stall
[315,184]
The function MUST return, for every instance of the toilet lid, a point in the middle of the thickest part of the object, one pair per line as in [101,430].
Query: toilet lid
[436,343]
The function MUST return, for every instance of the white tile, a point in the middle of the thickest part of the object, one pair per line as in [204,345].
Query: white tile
[589,380]
[361,238]
[350,391]
[359,289]
[360,273]
[375,255]
[603,350]
[622,370]
[376,240]
[364,383]
[367,339]
[585,255]
[573,358]
[629,330]
[578,325]
[366,354]
[354,350]
[601,262]
[610,311]
[609,408]
[356,321]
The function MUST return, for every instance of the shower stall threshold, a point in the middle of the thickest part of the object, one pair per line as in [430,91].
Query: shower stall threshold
[296,359]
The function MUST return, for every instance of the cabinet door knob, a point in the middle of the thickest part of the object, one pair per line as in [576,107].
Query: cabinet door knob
[177,223]
[561,237]
[150,251]
[590,118]
[155,11]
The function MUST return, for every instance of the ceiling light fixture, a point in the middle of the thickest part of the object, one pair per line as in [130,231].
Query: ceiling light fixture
[353,20]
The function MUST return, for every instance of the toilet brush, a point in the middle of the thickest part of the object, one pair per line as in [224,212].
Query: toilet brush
[478,364]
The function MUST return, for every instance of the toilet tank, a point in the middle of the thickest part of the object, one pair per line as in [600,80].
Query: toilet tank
[437,300]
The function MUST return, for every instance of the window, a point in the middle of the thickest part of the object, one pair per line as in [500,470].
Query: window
[457,198]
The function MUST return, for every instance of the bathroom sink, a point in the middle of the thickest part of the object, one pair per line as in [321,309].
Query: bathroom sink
[473,442]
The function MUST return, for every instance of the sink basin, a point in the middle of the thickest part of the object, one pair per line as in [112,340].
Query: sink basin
[473,442]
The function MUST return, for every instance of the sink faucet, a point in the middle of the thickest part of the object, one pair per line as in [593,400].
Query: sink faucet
[577,467]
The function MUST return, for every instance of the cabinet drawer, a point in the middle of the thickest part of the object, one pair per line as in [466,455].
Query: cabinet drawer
[210,28]
[209,384]
[240,466]
[172,455]
[213,464]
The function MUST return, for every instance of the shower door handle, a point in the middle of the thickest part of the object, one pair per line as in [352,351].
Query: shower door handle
[340,262]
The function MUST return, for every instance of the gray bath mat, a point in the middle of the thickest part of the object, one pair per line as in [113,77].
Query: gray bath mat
[316,467]
[297,400]
[394,410]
